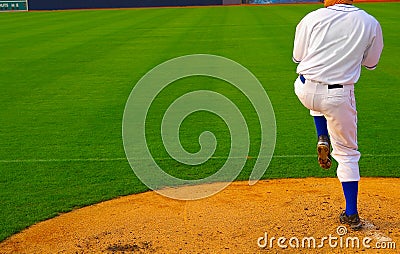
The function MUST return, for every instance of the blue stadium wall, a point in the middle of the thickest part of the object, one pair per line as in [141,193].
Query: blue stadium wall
[89,4]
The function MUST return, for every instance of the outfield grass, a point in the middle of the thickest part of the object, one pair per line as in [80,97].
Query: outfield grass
[66,76]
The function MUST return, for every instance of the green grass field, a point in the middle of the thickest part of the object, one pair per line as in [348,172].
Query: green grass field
[65,77]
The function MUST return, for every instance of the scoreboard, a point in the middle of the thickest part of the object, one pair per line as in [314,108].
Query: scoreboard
[13,5]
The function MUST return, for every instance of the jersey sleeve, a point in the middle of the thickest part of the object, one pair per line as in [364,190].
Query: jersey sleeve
[374,50]
[301,40]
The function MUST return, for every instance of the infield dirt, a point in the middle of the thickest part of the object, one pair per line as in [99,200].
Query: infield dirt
[236,220]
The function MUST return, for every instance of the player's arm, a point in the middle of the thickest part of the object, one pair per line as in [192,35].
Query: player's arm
[374,50]
[300,42]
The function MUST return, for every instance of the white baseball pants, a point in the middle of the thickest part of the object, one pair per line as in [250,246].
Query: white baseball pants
[338,105]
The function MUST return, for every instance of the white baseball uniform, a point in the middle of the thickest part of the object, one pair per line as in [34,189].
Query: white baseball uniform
[331,44]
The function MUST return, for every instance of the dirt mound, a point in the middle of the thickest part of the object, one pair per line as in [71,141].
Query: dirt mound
[296,213]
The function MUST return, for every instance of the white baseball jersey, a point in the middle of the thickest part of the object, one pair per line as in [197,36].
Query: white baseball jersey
[332,43]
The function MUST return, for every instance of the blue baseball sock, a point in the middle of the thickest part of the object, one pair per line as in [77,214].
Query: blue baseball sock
[320,125]
[350,190]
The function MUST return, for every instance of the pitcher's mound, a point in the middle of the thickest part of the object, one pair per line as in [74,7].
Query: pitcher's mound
[300,215]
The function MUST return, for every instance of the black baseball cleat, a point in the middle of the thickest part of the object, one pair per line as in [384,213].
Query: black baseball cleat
[353,220]
[324,152]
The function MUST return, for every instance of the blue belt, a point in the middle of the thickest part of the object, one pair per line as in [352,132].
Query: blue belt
[303,80]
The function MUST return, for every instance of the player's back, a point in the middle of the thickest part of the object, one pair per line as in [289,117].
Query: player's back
[338,38]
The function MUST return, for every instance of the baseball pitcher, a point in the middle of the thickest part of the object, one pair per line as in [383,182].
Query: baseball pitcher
[330,46]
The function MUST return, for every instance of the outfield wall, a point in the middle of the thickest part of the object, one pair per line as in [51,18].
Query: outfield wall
[231,2]
[90,4]
[98,4]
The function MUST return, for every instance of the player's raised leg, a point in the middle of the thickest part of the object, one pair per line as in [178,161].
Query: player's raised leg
[323,144]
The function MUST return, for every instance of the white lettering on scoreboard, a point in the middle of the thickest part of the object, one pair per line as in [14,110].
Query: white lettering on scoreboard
[13,5]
